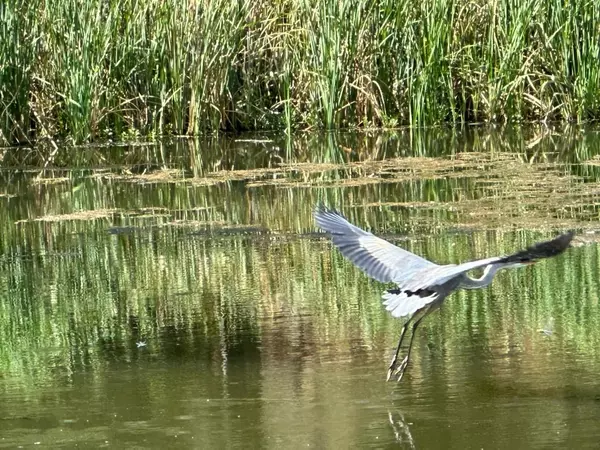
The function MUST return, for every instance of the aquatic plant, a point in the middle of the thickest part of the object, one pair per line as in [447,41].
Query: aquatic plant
[194,66]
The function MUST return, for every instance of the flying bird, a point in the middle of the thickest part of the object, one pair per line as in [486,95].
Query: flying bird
[422,286]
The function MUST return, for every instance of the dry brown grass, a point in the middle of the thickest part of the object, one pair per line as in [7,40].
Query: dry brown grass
[511,191]
[79,215]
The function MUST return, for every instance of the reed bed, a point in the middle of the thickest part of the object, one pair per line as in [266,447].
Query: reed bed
[99,70]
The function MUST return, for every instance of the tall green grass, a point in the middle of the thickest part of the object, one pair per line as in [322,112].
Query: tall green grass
[97,69]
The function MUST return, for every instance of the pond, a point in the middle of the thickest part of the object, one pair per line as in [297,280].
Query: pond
[179,294]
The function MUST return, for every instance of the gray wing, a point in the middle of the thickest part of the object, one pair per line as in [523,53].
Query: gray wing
[376,257]
[542,250]
[435,276]
[420,290]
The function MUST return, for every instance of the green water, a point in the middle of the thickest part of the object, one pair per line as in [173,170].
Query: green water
[204,311]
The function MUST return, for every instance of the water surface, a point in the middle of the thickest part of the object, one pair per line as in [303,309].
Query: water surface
[179,295]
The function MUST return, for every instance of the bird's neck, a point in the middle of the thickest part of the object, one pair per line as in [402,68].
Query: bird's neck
[487,277]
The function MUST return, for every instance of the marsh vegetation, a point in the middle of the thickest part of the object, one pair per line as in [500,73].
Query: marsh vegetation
[98,70]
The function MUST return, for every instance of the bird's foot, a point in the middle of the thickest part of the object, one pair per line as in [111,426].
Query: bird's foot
[391,369]
[389,374]
[401,369]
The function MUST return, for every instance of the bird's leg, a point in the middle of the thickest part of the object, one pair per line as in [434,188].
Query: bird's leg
[404,364]
[395,358]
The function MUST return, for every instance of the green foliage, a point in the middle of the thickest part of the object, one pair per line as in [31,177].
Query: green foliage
[196,66]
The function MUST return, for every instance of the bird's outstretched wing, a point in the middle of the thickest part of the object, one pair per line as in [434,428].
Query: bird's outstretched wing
[376,257]
[426,278]
[541,250]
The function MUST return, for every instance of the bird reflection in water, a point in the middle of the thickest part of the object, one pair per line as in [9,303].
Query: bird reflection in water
[401,429]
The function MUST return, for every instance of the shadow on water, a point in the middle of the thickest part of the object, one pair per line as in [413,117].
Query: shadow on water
[178,294]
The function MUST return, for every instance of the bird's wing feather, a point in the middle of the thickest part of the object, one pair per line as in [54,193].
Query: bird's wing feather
[376,257]
[400,304]
[435,276]
[541,250]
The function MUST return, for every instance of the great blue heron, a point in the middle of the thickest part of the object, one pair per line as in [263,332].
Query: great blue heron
[422,285]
